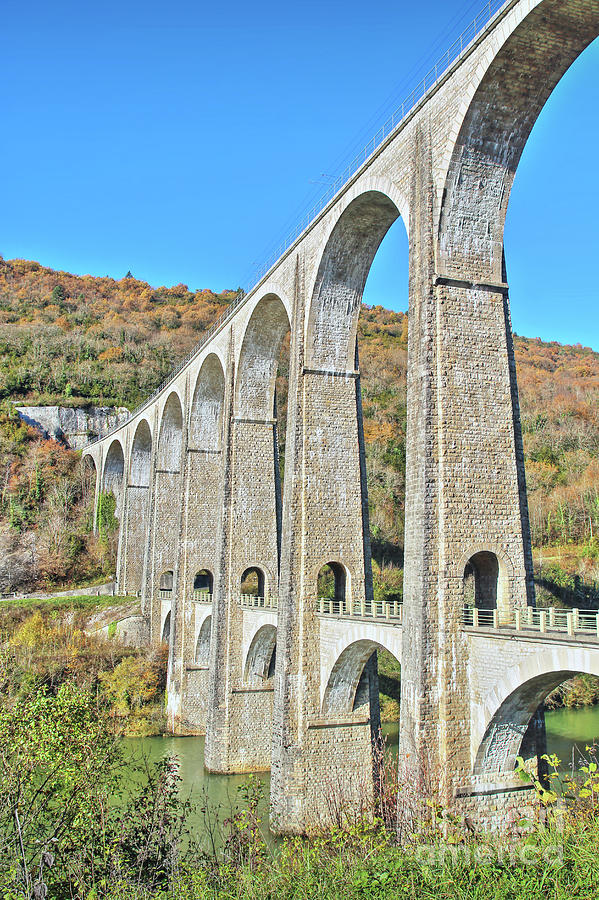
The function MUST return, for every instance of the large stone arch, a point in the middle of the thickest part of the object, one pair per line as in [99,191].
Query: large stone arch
[140,465]
[113,473]
[260,348]
[513,84]
[205,421]
[505,713]
[170,439]
[344,664]
[345,262]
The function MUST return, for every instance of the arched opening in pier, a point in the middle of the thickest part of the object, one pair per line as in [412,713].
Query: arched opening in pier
[206,418]
[253,582]
[481,579]
[203,583]
[202,654]
[166,581]
[259,666]
[262,390]
[332,586]
[166,629]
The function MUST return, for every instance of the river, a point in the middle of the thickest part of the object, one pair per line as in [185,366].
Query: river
[214,796]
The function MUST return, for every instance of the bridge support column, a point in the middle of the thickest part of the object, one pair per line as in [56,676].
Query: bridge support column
[464,483]
[132,545]
[187,709]
[322,759]
[239,731]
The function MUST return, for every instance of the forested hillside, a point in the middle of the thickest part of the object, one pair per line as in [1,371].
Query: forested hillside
[77,341]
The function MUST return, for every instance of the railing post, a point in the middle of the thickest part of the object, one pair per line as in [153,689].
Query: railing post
[542,621]
[530,612]
[597,624]
[552,617]
[496,618]
[387,610]
[575,619]
[475,617]
[363,605]
[321,605]
[518,618]
[570,623]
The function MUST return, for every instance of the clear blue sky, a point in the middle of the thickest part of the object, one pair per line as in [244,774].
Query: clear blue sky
[180,139]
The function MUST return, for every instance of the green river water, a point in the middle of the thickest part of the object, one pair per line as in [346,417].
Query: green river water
[215,796]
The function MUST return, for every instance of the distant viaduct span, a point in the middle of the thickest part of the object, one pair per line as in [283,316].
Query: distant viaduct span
[275,675]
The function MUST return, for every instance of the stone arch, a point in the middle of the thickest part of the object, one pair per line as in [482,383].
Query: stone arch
[253,581]
[514,83]
[203,581]
[333,582]
[170,439]
[166,629]
[202,651]
[507,710]
[487,584]
[341,692]
[205,421]
[257,369]
[260,660]
[140,465]
[344,265]
[113,473]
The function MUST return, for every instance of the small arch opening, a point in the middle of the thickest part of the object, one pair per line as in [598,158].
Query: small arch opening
[166,629]
[253,582]
[481,581]
[261,658]
[332,585]
[203,582]
[202,654]
[166,580]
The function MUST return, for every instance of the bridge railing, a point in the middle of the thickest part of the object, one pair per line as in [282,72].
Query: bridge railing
[165,593]
[202,597]
[382,610]
[252,601]
[542,620]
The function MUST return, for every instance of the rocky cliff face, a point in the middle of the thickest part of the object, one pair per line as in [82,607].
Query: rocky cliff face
[73,427]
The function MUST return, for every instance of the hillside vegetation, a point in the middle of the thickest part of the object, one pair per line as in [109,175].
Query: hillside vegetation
[79,341]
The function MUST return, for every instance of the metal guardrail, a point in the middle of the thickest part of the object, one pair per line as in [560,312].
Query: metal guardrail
[381,610]
[543,621]
[398,115]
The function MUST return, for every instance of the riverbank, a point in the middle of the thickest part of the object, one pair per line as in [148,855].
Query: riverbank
[96,833]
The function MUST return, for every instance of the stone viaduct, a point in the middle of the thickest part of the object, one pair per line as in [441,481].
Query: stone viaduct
[195,472]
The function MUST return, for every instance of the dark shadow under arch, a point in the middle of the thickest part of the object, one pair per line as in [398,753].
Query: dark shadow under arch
[260,662]
[202,652]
